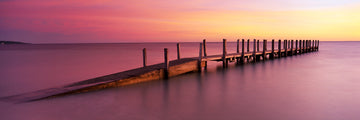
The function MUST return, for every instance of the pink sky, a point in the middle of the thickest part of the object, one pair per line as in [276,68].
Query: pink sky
[79,21]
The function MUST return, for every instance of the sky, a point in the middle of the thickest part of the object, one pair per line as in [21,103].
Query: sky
[113,21]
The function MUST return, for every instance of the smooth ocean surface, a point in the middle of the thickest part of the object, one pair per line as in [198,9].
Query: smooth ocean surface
[323,85]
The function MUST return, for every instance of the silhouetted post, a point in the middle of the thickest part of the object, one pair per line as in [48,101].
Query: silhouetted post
[300,47]
[296,47]
[292,47]
[264,49]
[279,44]
[285,47]
[238,46]
[225,62]
[318,45]
[288,45]
[254,52]
[242,60]
[303,47]
[205,53]
[144,57]
[178,50]
[272,49]
[166,62]
[313,46]
[200,57]
[258,48]
[248,45]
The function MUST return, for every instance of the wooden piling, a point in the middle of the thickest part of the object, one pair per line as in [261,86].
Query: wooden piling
[279,49]
[144,57]
[254,52]
[205,53]
[303,47]
[258,44]
[292,47]
[313,46]
[296,47]
[272,49]
[178,50]
[200,57]
[225,62]
[166,62]
[248,45]
[264,49]
[242,60]
[285,47]
[238,46]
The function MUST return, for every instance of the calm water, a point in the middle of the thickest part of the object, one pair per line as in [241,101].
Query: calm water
[323,85]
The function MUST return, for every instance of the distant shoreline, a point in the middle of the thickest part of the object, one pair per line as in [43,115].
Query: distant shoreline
[11,42]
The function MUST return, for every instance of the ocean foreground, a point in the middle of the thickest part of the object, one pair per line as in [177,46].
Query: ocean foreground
[307,88]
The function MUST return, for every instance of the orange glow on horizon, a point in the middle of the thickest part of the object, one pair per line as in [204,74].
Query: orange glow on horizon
[134,21]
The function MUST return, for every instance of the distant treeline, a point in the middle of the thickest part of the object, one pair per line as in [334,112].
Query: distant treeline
[11,42]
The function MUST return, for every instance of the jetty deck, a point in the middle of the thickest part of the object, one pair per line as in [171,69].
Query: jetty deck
[175,67]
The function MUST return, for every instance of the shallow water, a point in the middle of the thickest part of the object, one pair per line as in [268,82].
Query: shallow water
[322,85]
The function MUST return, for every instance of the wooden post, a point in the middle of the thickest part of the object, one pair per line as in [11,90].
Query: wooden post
[279,51]
[296,47]
[248,45]
[264,49]
[272,49]
[303,47]
[200,57]
[178,50]
[318,44]
[254,52]
[300,47]
[238,46]
[225,62]
[313,46]
[258,48]
[285,47]
[205,53]
[292,47]
[204,46]
[144,57]
[166,62]
[242,51]
[288,45]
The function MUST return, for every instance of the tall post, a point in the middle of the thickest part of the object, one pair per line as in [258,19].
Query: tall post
[204,46]
[272,49]
[303,47]
[248,45]
[144,57]
[205,54]
[166,62]
[178,50]
[296,47]
[225,62]
[254,52]
[285,47]
[238,46]
[258,48]
[313,46]
[279,51]
[264,49]
[200,57]
[242,51]
[292,47]
[318,44]
[300,47]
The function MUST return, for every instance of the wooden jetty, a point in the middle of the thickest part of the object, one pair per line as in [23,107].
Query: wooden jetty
[176,67]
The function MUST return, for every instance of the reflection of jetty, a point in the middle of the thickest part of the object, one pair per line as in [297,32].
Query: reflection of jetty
[176,67]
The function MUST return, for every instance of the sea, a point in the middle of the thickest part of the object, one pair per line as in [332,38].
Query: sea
[321,85]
